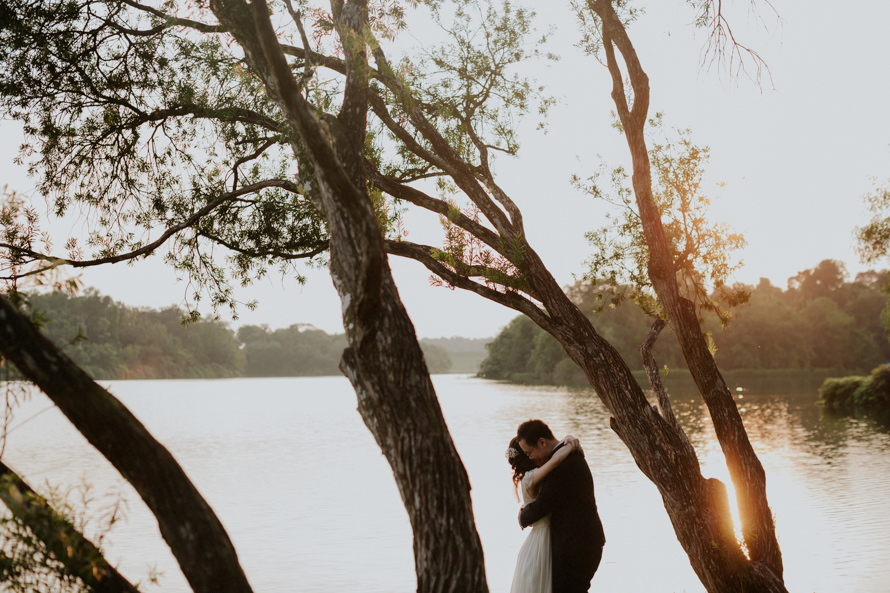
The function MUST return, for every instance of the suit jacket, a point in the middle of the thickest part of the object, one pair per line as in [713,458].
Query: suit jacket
[576,532]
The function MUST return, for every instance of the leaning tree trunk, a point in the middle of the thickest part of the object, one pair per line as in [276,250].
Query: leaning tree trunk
[698,507]
[187,523]
[384,361]
[765,569]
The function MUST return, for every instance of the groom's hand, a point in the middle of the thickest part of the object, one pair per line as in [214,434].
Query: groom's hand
[519,518]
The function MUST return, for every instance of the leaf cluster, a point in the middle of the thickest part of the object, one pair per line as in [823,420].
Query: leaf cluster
[701,249]
[151,127]
[41,545]
[142,124]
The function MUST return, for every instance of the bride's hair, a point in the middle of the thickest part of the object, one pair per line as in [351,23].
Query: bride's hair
[519,461]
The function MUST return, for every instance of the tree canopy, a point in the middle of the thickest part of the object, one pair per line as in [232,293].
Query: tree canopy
[253,135]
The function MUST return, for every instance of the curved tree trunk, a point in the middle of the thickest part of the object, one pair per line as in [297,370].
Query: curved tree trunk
[187,523]
[384,361]
[698,507]
[745,469]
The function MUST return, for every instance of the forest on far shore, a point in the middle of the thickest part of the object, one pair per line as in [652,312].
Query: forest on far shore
[821,322]
[110,340]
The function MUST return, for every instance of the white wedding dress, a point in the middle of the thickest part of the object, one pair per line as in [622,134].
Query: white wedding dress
[534,571]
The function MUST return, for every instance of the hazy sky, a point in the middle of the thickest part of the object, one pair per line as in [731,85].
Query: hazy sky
[796,154]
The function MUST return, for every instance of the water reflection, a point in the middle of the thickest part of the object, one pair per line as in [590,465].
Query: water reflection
[308,498]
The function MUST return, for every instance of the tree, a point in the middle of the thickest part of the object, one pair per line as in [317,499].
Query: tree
[279,145]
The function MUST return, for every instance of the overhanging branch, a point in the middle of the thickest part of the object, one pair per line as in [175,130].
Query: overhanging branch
[510,298]
[54,262]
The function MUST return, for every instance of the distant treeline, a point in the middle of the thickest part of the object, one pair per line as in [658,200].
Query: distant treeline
[110,340]
[821,322]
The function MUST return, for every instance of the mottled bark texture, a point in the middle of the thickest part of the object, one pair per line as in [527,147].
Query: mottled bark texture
[187,523]
[384,361]
[78,556]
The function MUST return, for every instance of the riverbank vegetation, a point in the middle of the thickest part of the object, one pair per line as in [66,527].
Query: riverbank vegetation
[846,395]
[110,340]
[821,323]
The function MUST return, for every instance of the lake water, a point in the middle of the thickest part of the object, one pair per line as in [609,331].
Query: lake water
[311,506]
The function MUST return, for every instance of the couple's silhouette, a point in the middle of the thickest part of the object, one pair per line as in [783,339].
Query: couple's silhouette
[565,546]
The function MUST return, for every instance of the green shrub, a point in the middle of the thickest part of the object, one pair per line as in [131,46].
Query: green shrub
[849,393]
[838,393]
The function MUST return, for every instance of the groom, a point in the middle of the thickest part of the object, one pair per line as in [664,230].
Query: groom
[576,533]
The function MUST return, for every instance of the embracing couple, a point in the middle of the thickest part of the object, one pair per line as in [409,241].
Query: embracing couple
[565,546]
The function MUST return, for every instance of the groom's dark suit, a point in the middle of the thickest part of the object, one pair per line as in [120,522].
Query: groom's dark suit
[576,532]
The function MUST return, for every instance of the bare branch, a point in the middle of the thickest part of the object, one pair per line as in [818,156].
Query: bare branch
[171,21]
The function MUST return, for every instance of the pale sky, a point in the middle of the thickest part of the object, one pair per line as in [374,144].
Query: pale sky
[796,154]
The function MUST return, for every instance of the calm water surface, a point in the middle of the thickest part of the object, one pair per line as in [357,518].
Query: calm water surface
[311,505]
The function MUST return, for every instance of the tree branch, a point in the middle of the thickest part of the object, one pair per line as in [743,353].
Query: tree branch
[77,554]
[664,402]
[513,300]
[170,21]
[187,523]
[146,249]
[418,198]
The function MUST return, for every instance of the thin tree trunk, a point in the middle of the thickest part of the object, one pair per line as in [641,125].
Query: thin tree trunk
[77,554]
[749,479]
[187,523]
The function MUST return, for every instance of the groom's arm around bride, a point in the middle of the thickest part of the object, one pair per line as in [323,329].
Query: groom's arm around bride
[567,495]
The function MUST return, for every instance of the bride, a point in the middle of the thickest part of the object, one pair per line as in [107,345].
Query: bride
[533,566]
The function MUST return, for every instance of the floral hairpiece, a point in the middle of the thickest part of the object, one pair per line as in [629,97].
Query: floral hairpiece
[511,453]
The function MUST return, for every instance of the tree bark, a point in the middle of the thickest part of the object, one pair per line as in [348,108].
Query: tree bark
[384,361]
[745,469]
[79,556]
[698,507]
[187,523]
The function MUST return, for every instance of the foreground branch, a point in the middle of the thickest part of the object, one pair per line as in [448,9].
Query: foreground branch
[187,523]
[77,554]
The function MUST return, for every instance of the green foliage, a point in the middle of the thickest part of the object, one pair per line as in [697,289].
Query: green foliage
[848,394]
[523,352]
[145,131]
[465,355]
[821,322]
[510,352]
[293,351]
[149,122]
[873,239]
[701,249]
[471,86]
[113,341]
[42,544]
[437,359]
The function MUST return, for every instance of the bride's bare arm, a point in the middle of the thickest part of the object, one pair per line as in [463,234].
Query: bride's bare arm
[571,444]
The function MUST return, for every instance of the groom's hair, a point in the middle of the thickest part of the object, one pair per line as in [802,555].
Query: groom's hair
[531,431]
